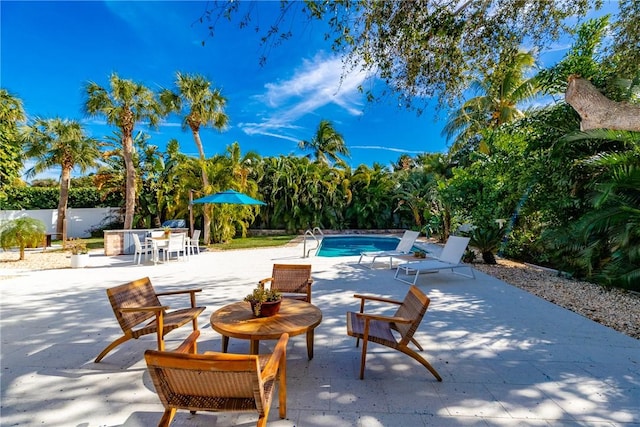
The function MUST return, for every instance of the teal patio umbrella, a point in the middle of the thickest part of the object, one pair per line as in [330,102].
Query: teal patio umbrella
[231,197]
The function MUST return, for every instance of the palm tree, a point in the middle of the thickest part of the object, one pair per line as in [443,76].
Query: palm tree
[21,232]
[241,167]
[124,104]
[11,113]
[57,142]
[326,144]
[200,105]
[499,96]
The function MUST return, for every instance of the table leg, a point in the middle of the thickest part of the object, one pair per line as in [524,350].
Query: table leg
[253,348]
[225,343]
[310,335]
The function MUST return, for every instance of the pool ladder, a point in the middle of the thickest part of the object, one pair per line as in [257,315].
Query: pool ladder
[312,233]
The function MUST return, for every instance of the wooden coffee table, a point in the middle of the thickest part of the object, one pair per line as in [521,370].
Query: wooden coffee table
[237,321]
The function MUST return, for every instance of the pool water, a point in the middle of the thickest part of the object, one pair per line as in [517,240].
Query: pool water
[335,246]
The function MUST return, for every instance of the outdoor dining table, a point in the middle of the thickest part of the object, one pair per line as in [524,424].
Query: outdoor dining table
[237,320]
[162,242]
[157,243]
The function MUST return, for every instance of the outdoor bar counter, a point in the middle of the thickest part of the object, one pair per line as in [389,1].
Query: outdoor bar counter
[120,242]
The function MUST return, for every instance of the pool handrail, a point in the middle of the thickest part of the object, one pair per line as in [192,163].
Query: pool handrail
[310,232]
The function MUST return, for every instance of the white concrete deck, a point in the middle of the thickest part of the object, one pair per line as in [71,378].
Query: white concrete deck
[506,357]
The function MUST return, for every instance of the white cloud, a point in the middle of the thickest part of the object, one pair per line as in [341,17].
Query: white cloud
[318,82]
[379,147]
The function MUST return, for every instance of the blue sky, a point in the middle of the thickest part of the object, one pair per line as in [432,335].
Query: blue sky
[50,49]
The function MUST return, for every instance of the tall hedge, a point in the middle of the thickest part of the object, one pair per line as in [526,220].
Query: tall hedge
[47,198]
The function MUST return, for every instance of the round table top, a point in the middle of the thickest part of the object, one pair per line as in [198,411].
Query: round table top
[236,320]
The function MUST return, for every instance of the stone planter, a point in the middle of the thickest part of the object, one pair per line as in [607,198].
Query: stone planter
[79,261]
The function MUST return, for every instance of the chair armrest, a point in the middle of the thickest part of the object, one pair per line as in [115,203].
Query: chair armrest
[377,298]
[382,318]
[278,356]
[189,345]
[309,282]
[192,293]
[186,291]
[263,282]
[149,308]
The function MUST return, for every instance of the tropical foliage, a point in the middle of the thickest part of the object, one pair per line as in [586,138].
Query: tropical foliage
[11,114]
[535,187]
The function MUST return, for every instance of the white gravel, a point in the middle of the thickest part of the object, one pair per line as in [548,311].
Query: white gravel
[615,308]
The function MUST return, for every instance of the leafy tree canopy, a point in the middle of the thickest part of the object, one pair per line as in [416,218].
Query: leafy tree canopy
[428,48]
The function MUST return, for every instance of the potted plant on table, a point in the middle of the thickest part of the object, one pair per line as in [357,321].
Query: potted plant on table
[79,252]
[264,302]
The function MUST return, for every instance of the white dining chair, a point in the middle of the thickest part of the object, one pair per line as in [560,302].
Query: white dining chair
[140,248]
[194,243]
[176,244]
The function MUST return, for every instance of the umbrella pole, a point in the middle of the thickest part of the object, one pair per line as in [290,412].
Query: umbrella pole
[191,213]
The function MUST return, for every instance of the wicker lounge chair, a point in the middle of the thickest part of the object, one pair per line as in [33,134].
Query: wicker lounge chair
[218,381]
[139,312]
[293,280]
[379,329]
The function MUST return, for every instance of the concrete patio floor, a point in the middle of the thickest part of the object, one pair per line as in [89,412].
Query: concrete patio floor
[506,357]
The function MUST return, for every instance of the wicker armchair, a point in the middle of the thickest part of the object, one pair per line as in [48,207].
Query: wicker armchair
[218,381]
[377,328]
[293,280]
[139,312]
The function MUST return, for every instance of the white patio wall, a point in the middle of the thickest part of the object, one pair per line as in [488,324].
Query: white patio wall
[79,220]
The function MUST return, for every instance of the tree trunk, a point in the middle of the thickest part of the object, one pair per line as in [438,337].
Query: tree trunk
[489,258]
[599,112]
[130,182]
[206,232]
[65,180]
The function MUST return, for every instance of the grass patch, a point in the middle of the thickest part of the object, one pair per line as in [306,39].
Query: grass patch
[253,242]
[238,243]
[91,242]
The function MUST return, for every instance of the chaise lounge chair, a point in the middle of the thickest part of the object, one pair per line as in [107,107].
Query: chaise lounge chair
[448,260]
[403,248]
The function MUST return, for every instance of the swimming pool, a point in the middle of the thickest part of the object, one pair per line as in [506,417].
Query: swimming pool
[334,246]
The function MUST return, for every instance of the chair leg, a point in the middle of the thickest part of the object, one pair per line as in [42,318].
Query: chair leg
[282,388]
[363,359]
[422,360]
[167,417]
[416,343]
[111,347]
